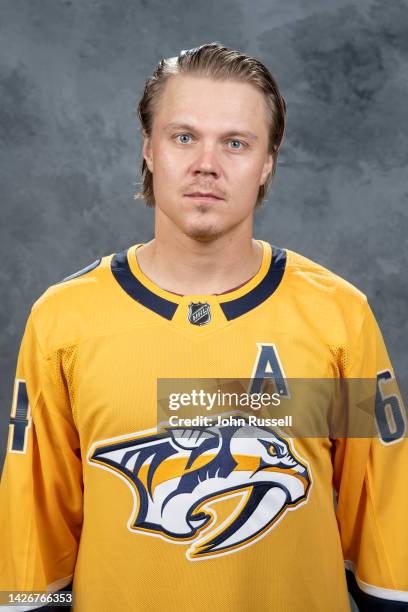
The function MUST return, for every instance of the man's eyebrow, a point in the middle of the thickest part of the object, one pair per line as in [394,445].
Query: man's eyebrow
[190,128]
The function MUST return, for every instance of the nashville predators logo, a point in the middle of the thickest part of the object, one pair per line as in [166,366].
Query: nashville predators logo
[218,489]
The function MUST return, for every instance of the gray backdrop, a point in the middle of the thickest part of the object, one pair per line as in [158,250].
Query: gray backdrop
[71,73]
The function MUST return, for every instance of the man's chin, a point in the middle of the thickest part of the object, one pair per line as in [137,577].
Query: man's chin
[203,232]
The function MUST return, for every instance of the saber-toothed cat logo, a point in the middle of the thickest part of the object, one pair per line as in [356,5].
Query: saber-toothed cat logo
[180,479]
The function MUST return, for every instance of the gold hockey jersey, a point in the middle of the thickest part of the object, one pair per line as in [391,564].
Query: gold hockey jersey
[96,493]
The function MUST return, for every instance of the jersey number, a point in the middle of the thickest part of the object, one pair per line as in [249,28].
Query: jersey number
[20,419]
[388,412]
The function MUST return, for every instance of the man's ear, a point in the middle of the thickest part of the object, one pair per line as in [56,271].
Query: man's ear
[147,151]
[266,169]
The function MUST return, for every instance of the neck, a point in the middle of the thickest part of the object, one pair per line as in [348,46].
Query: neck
[184,265]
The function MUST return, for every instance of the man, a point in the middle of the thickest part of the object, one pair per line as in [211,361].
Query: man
[140,514]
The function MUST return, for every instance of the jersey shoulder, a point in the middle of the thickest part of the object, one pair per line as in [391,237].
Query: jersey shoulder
[335,307]
[64,311]
[77,285]
[319,279]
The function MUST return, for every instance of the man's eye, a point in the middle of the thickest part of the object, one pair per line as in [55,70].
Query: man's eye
[237,142]
[183,136]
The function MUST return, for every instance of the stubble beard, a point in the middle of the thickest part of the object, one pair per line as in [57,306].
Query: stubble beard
[203,231]
[201,227]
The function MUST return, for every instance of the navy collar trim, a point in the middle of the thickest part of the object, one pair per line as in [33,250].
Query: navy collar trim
[231,309]
[267,286]
[133,287]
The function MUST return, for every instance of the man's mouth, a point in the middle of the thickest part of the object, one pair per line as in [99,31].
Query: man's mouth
[203,195]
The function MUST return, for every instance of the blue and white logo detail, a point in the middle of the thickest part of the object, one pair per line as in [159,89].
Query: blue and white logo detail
[218,488]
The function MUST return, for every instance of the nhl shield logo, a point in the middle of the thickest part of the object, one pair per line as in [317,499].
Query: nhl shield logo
[199,313]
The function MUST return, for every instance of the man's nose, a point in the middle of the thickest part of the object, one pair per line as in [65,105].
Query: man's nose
[207,161]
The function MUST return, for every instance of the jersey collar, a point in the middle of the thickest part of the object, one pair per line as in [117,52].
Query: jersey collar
[126,271]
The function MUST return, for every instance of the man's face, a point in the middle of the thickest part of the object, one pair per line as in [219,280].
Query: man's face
[208,137]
